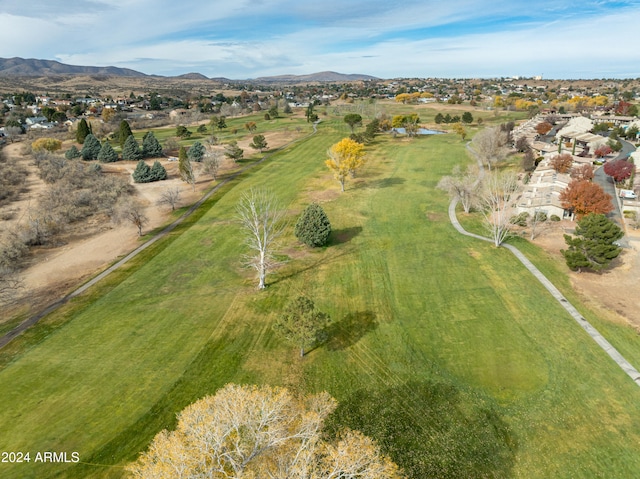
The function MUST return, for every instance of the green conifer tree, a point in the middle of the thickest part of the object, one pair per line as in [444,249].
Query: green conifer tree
[158,172]
[594,245]
[124,132]
[107,154]
[82,131]
[196,152]
[72,153]
[313,227]
[151,147]
[142,173]
[131,150]
[90,148]
[185,168]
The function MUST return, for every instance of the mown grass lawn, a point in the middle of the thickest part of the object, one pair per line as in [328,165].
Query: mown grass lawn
[443,348]
[235,129]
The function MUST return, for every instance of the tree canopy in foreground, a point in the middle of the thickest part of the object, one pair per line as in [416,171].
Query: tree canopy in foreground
[260,432]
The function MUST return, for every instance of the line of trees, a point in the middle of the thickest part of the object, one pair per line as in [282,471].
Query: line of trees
[467,117]
[92,149]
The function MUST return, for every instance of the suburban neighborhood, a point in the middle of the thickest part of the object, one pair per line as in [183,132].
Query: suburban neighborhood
[406,277]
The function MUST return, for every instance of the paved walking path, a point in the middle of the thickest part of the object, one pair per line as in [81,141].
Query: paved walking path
[593,332]
[7,338]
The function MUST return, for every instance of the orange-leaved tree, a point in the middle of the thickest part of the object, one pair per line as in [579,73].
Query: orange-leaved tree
[543,128]
[562,163]
[584,197]
[582,172]
[345,158]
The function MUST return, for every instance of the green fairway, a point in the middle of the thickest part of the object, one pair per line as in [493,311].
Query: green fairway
[235,130]
[443,348]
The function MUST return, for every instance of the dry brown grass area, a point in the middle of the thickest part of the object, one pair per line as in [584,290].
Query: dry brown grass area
[613,293]
[88,247]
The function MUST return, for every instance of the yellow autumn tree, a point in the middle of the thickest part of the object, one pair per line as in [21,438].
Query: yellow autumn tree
[260,432]
[345,158]
[459,130]
[49,144]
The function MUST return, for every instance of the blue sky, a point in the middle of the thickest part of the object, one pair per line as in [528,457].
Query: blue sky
[251,38]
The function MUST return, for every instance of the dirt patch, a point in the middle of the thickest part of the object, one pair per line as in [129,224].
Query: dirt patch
[613,292]
[90,246]
[324,195]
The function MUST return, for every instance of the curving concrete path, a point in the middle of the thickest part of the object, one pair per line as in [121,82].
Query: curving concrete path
[591,331]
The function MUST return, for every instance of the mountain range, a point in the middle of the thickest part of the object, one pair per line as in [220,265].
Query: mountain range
[30,67]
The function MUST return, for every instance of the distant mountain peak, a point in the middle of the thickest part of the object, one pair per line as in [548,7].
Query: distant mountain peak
[193,76]
[30,67]
[326,76]
[17,66]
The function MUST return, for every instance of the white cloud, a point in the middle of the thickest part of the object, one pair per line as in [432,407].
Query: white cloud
[22,34]
[357,36]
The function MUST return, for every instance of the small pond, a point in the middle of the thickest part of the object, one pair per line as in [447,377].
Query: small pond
[421,131]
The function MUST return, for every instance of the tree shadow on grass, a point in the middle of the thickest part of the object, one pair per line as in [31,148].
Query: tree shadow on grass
[349,330]
[324,261]
[344,235]
[431,430]
[387,182]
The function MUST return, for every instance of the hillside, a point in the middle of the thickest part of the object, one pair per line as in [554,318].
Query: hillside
[326,76]
[34,68]
[30,67]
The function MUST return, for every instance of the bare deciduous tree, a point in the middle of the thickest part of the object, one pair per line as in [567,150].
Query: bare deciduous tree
[170,197]
[462,186]
[211,163]
[12,132]
[262,219]
[537,221]
[496,199]
[132,210]
[490,145]
[10,283]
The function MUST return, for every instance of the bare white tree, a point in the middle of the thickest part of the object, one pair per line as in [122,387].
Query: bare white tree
[262,218]
[496,200]
[538,219]
[463,186]
[170,197]
[537,222]
[490,145]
